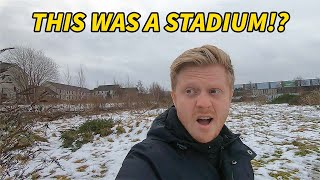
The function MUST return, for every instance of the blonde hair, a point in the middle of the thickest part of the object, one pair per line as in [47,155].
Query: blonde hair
[200,56]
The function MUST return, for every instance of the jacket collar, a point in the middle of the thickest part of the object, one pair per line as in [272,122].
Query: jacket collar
[167,127]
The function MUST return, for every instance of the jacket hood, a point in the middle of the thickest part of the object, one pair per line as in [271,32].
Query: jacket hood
[168,128]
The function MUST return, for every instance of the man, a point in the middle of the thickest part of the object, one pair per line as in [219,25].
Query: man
[190,140]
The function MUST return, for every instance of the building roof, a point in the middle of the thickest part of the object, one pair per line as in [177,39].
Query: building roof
[130,89]
[4,66]
[67,87]
[106,87]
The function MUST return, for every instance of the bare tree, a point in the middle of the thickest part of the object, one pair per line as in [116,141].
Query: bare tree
[156,91]
[141,88]
[68,76]
[81,77]
[116,82]
[38,67]
[97,83]
[128,83]
[32,67]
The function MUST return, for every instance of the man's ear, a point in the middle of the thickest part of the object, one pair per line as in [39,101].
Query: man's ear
[173,96]
[231,95]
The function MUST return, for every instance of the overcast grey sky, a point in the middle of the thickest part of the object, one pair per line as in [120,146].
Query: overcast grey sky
[256,56]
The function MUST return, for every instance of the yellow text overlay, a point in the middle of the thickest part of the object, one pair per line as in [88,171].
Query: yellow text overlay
[174,22]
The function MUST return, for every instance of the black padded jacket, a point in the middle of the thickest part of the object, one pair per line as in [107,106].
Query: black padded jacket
[169,152]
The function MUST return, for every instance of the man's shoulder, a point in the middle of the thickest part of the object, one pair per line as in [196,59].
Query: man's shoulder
[237,161]
[234,147]
[143,161]
[152,147]
[238,149]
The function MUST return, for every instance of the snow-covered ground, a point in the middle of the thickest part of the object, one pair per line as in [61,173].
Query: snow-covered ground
[286,139]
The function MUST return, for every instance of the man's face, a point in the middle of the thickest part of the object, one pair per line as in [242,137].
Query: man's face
[202,98]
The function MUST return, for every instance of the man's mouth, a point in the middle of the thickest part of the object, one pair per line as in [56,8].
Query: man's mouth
[204,120]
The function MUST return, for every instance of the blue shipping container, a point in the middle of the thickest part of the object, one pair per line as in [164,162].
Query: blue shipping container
[264,85]
[275,85]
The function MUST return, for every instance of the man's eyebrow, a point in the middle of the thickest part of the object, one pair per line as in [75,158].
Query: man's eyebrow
[194,83]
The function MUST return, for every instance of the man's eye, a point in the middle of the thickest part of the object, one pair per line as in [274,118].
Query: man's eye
[190,91]
[215,91]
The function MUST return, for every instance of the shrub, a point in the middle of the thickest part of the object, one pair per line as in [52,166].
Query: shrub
[286,98]
[75,138]
[120,130]
[312,98]
[98,126]
[68,138]
[16,136]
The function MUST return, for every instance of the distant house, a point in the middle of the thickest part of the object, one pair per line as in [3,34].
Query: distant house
[106,91]
[11,77]
[38,93]
[67,92]
[129,91]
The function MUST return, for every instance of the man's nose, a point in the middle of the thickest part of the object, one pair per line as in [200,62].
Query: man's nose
[203,101]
